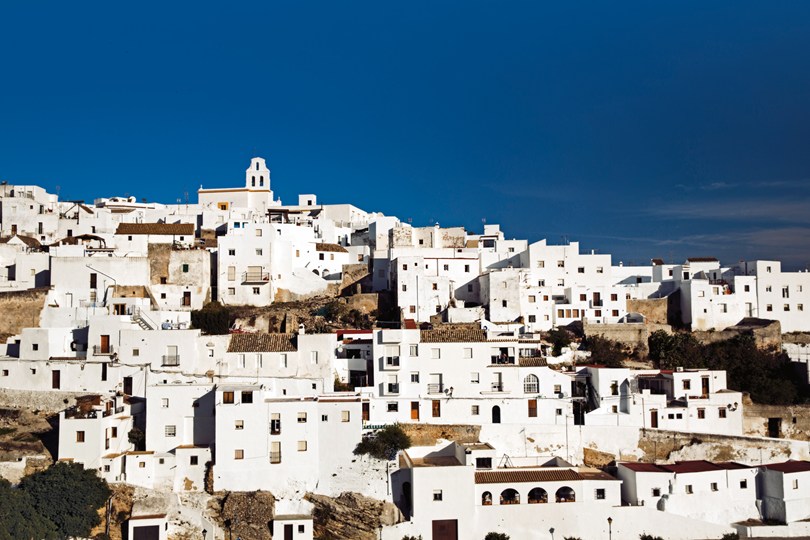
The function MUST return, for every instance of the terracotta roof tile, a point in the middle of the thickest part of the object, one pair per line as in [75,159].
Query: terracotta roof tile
[453,335]
[702,259]
[262,343]
[156,228]
[643,467]
[535,361]
[330,247]
[514,476]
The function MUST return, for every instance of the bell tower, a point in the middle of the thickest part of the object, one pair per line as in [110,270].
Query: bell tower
[257,176]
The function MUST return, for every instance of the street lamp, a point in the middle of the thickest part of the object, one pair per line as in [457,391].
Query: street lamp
[205,533]
[551,531]
[610,528]
[381,528]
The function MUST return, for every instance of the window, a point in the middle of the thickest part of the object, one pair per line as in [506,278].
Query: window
[302,417]
[714,486]
[474,410]
[415,377]
[531,384]
[404,287]
[238,454]
[799,307]
[558,412]
[747,288]
[232,252]
[345,416]
[688,489]
[532,408]
[302,446]
[392,406]
[542,283]
[581,270]
[503,303]
[614,297]
[114,432]
[141,464]
[560,283]
[106,468]
[313,357]
[256,290]
[437,495]
[768,288]
[701,413]
[247,396]
[185,268]
[744,484]
[656,492]
[687,384]
[164,403]
[541,264]
[532,299]
[259,252]
[769,307]
[468,352]
[434,286]
[721,412]
[438,308]
[231,291]
[227,397]
[560,264]
[446,267]
[600,493]
[239,424]
[795,483]
[275,424]
[194,460]
[474,378]
[80,436]
[532,318]
[583,297]
[170,431]
[787,307]
[785,292]
[599,270]
[35,346]
[435,353]
[466,267]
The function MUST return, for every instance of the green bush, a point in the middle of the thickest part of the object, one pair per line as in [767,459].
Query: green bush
[559,338]
[385,443]
[68,496]
[496,536]
[212,319]
[604,351]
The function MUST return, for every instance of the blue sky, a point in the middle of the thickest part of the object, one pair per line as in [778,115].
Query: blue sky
[642,129]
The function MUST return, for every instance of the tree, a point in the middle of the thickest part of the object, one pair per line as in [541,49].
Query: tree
[19,518]
[646,536]
[559,338]
[212,319]
[136,437]
[69,496]
[385,443]
[496,536]
[605,351]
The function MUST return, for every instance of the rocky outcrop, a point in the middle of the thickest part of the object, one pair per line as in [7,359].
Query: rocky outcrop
[351,516]
[247,515]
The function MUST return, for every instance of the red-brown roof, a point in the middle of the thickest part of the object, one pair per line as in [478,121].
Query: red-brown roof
[184,229]
[262,343]
[789,466]
[330,247]
[453,335]
[691,466]
[643,467]
[516,476]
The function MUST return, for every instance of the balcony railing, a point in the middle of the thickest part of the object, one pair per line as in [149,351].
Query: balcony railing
[393,388]
[171,360]
[497,387]
[502,359]
[435,388]
[255,277]
[99,350]
[275,457]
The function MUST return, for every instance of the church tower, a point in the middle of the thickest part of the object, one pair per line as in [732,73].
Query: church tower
[257,176]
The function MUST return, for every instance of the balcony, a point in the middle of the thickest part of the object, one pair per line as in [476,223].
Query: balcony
[255,277]
[392,361]
[502,360]
[393,388]
[496,387]
[275,457]
[596,303]
[171,360]
[99,350]
[435,388]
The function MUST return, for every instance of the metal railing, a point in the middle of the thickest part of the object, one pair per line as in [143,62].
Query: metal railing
[255,277]
[392,361]
[98,350]
[502,359]
[171,360]
[435,388]
[497,387]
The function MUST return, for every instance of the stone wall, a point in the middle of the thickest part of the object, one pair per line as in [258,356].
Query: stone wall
[794,420]
[633,335]
[20,309]
[655,310]
[766,335]
[51,401]
[353,275]
[427,434]
[159,255]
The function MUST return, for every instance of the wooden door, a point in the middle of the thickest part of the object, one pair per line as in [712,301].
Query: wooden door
[148,532]
[445,529]
[414,410]
[105,344]
[704,386]
[128,386]
[437,408]
[56,379]
[186,298]
[496,415]
[654,418]
[366,412]
[288,532]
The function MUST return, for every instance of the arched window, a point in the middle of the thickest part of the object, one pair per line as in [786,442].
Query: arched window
[261,180]
[538,496]
[531,384]
[252,180]
[486,498]
[510,496]
[566,494]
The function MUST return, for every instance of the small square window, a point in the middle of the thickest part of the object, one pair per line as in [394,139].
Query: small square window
[256,290]
[474,410]
[474,377]
[35,346]
[301,529]
[302,417]
[392,406]
[688,489]
[600,493]
[302,446]
[141,464]
[714,486]
[164,403]
[231,291]
[80,436]
[701,413]
[227,397]
[232,252]
[170,431]
[744,484]
[415,377]
[193,460]
[437,495]
[239,424]
[185,268]
[345,416]
[239,454]
[656,492]
[163,296]
[324,418]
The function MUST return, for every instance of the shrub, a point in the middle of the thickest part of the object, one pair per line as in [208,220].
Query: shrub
[385,443]
[559,338]
[212,319]
[646,536]
[731,536]
[136,437]
[496,536]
